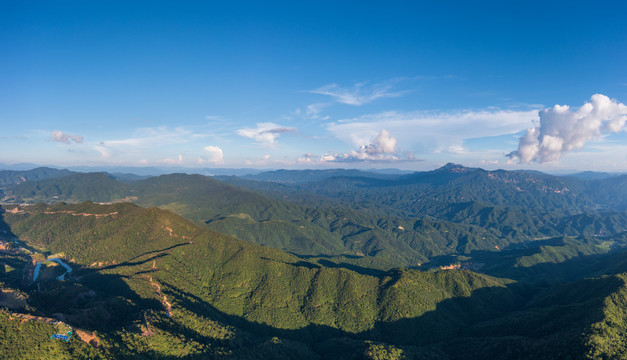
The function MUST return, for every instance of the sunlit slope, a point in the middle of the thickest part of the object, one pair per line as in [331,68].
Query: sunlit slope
[381,223]
[214,284]
[258,283]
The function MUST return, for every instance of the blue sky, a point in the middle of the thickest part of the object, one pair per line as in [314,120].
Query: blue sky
[359,84]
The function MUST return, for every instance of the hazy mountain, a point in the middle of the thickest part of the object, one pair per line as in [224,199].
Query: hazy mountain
[593,175]
[310,176]
[364,221]
[9,177]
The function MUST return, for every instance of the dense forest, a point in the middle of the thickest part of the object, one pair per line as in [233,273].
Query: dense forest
[456,263]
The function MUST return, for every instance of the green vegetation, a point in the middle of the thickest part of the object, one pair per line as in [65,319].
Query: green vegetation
[364,219]
[538,265]
[152,285]
[9,177]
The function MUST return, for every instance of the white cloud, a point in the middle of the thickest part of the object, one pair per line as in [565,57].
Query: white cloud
[214,155]
[264,133]
[177,161]
[146,138]
[384,143]
[153,137]
[562,130]
[313,111]
[383,148]
[62,137]
[104,151]
[432,132]
[360,93]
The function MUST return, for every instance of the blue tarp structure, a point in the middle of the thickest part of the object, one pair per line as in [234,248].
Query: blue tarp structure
[66,337]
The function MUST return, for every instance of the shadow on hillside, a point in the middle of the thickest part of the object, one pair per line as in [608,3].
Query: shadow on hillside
[9,239]
[95,301]
[355,268]
[11,257]
[348,256]
[89,298]
[328,261]
[506,264]
[548,254]
[160,251]
[515,319]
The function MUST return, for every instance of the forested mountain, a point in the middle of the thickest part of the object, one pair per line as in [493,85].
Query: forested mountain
[9,177]
[311,176]
[378,222]
[148,284]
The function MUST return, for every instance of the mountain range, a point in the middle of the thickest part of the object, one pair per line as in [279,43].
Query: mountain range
[455,263]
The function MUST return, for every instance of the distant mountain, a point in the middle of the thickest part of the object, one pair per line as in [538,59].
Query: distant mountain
[100,187]
[610,193]
[156,171]
[127,177]
[365,221]
[19,166]
[9,177]
[418,193]
[593,175]
[310,176]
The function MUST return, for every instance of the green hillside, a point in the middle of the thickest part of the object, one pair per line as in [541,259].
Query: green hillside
[153,285]
[373,222]
[10,177]
[76,187]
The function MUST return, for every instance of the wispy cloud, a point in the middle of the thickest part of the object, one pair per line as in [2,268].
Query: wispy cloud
[151,137]
[312,111]
[360,93]
[433,132]
[562,130]
[146,138]
[264,133]
[65,138]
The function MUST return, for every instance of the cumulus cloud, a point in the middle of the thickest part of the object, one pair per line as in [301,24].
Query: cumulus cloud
[212,154]
[384,143]
[360,93]
[62,137]
[264,133]
[383,148]
[562,130]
